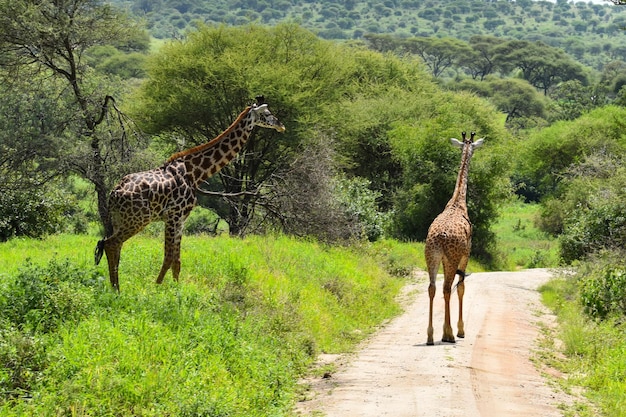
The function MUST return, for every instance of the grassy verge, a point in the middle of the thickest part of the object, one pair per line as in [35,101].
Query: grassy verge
[230,339]
[520,242]
[592,354]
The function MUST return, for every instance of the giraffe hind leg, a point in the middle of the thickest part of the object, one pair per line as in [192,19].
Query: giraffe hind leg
[113,258]
[449,273]
[433,260]
[461,291]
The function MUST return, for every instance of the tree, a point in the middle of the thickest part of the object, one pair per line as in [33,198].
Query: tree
[541,65]
[482,61]
[32,125]
[515,97]
[197,86]
[571,99]
[383,43]
[438,54]
[45,36]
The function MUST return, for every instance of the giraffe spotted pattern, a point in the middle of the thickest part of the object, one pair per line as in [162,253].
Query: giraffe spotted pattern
[449,241]
[168,193]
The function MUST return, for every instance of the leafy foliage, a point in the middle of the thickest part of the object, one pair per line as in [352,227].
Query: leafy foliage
[41,298]
[36,303]
[603,286]
[34,214]
[594,349]
[548,154]
[350,104]
[598,220]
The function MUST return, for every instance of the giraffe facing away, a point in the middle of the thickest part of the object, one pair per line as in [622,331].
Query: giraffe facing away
[449,240]
[168,193]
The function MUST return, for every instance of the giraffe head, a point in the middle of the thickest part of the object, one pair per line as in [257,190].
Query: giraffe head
[467,141]
[263,117]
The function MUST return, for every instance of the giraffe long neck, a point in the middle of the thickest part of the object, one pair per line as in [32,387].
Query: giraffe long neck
[459,196]
[209,158]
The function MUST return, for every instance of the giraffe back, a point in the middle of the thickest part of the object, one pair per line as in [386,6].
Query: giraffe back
[159,194]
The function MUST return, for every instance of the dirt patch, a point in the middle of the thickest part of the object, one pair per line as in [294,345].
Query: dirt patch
[489,373]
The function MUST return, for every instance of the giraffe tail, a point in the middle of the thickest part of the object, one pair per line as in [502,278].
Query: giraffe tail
[462,275]
[99,251]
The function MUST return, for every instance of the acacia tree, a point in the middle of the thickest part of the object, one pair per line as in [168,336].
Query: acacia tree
[196,88]
[541,65]
[438,54]
[482,61]
[52,37]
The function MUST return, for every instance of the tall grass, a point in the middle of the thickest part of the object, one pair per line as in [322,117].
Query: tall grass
[230,339]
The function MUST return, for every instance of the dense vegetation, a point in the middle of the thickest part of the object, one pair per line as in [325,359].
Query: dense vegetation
[590,32]
[231,339]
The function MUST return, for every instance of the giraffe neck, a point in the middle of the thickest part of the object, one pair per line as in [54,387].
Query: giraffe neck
[209,158]
[459,197]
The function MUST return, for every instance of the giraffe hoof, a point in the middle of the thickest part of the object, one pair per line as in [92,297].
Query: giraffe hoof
[461,335]
[448,339]
[430,343]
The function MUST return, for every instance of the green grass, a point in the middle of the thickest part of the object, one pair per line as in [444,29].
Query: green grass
[592,355]
[231,338]
[520,242]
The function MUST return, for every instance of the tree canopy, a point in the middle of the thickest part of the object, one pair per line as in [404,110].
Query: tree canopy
[346,100]
[53,37]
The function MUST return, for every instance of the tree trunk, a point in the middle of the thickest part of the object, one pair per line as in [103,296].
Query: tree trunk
[99,182]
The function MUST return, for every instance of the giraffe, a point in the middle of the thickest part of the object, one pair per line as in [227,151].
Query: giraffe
[168,193]
[449,240]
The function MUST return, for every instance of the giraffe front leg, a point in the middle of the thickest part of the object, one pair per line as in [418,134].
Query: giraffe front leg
[167,259]
[171,255]
[176,260]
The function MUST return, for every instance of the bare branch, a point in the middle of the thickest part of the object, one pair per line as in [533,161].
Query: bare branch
[228,195]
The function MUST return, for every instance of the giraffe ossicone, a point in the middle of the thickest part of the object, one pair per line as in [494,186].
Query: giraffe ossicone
[449,241]
[168,193]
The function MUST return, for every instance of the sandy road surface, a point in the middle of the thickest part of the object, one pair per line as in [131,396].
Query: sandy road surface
[487,374]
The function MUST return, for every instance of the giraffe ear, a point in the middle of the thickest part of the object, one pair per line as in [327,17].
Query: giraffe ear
[478,143]
[456,142]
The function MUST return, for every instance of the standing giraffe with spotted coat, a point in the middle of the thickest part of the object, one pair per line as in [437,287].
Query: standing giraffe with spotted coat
[168,193]
[449,240]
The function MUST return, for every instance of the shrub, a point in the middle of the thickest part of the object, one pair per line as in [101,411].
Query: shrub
[22,359]
[39,298]
[359,202]
[33,214]
[594,213]
[603,286]
[202,221]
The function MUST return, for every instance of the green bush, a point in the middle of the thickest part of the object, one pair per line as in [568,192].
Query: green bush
[593,229]
[22,360]
[360,202]
[39,298]
[594,209]
[603,286]
[33,214]
[202,221]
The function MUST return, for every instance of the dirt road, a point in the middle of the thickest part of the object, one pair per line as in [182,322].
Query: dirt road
[487,374]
